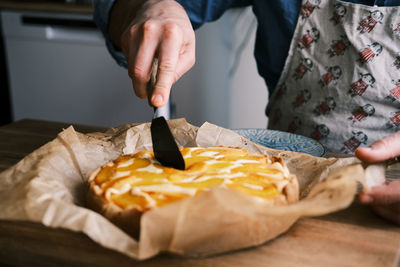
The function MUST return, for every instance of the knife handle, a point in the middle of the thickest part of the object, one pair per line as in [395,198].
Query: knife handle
[152,82]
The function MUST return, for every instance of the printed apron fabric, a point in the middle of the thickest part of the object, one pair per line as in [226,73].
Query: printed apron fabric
[341,80]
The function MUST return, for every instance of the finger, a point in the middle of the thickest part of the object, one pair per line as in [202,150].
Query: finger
[383,194]
[139,71]
[129,46]
[381,150]
[168,59]
[388,212]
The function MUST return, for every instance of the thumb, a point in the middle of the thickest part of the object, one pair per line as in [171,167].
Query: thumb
[381,150]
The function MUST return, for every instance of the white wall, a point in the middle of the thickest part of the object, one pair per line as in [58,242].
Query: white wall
[224,87]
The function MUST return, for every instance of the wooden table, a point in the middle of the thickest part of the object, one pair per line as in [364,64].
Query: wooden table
[351,237]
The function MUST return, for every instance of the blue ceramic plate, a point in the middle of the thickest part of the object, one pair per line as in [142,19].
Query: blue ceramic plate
[283,141]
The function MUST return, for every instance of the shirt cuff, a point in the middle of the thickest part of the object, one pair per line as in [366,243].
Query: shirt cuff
[101,17]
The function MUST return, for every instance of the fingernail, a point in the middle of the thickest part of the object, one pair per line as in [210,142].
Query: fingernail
[157,100]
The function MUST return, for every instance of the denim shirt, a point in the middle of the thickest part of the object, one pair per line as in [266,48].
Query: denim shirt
[276,23]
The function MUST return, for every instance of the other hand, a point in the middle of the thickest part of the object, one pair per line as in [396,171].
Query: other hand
[384,199]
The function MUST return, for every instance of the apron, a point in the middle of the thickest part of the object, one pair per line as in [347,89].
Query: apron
[341,80]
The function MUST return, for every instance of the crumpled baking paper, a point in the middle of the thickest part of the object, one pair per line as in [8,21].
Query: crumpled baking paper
[50,186]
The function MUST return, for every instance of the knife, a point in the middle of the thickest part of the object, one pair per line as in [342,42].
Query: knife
[165,148]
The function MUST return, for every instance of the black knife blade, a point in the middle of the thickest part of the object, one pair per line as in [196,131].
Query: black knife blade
[165,149]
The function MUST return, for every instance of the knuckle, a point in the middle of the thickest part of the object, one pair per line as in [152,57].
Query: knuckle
[138,74]
[161,87]
[171,30]
[132,30]
[149,27]
[167,66]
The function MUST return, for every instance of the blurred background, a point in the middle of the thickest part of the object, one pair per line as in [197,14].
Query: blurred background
[55,66]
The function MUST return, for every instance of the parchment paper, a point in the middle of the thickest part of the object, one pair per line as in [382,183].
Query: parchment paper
[49,186]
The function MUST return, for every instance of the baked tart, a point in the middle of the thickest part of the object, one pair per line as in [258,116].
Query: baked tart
[122,190]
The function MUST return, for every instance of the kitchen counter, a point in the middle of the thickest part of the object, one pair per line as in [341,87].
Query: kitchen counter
[351,237]
[46,6]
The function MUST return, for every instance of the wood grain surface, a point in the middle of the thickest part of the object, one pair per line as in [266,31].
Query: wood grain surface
[351,237]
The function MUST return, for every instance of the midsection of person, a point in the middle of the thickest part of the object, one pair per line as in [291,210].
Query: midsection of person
[339,82]
[277,21]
